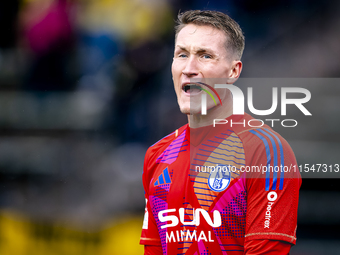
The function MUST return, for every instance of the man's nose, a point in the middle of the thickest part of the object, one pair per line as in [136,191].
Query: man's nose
[191,68]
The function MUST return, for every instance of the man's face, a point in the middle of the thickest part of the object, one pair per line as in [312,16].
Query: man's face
[200,52]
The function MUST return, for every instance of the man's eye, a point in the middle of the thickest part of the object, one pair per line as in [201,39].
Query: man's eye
[206,56]
[182,55]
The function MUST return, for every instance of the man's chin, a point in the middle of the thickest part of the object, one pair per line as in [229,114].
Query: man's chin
[189,111]
[185,111]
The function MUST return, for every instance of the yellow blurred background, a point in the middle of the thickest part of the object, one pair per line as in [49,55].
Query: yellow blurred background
[20,236]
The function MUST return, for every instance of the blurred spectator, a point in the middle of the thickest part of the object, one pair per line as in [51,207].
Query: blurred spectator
[123,48]
[48,32]
[8,22]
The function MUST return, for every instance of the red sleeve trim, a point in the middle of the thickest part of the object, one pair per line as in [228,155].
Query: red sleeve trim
[149,241]
[271,235]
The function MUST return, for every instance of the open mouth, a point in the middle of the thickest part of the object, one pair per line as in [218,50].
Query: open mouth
[194,89]
[191,89]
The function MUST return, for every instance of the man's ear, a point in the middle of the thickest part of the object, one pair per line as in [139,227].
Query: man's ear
[236,69]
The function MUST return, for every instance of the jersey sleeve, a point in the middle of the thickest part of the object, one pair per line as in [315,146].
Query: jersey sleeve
[150,235]
[273,191]
[268,247]
[153,250]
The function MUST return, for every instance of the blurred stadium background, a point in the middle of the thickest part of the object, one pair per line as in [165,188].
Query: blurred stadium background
[85,88]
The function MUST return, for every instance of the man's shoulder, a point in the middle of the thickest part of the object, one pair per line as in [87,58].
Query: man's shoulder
[162,144]
[261,141]
[252,130]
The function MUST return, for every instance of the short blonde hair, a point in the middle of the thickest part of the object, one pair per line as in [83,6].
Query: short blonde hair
[217,20]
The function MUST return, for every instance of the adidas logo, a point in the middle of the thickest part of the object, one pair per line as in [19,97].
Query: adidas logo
[163,178]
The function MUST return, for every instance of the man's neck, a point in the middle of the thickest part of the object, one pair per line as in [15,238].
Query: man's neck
[218,112]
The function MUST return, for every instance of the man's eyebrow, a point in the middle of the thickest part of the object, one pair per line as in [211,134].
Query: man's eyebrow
[181,47]
[198,50]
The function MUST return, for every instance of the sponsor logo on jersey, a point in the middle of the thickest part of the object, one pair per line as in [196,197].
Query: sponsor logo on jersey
[272,196]
[196,216]
[219,179]
[163,178]
[181,236]
[187,235]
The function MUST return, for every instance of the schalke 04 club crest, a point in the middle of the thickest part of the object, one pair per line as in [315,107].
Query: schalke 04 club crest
[219,178]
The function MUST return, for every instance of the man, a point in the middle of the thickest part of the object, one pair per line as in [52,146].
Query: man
[199,199]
